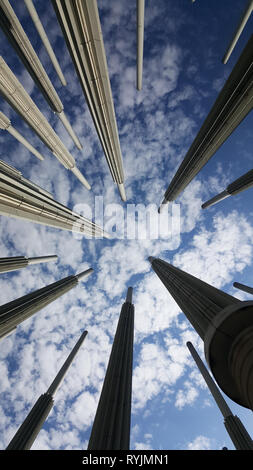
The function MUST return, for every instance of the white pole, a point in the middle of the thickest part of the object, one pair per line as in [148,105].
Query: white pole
[81,178]
[23,141]
[238,32]
[42,259]
[44,38]
[140,41]
[69,129]
[122,191]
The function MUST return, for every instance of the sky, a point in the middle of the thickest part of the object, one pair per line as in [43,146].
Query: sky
[172,409]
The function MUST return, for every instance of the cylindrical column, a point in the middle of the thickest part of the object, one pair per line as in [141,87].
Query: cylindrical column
[223,322]
[241,364]
[129,296]
[122,191]
[215,199]
[15,312]
[84,274]
[140,41]
[42,259]
[240,184]
[81,178]
[14,92]
[5,124]
[237,432]
[28,431]
[224,408]
[24,199]
[13,263]
[81,28]
[44,38]
[238,32]
[111,427]
[60,376]
[243,287]
[232,105]
[199,301]
[18,262]
[25,142]
[69,129]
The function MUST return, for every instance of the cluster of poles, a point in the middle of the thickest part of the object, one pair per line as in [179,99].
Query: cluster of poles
[223,322]
[214,315]
[111,428]
[81,29]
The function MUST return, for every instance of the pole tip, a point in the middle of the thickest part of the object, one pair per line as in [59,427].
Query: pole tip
[151,259]
[129,295]
[81,178]
[162,206]
[42,259]
[84,274]
[122,191]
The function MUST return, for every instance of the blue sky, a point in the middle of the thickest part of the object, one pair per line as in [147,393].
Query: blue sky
[182,75]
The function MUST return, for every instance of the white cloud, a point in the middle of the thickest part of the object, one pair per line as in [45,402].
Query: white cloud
[156,127]
[215,256]
[200,443]
[155,372]
[186,396]
[142,446]
[155,308]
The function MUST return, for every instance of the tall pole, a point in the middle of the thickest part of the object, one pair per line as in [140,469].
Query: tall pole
[140,41]
[223,322]
[199,301]
[81,28]
[239,31]
[26,200]
[232,105]
[18,262]
[240,184]
[45,40]
[111,427]
[5,124]
[243,287]
[15,312]
[17,37]
[237,432]
[28,431]
[15,94]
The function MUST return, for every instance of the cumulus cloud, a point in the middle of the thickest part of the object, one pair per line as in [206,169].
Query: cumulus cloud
[156,127]
[216,253]
[154,373]
[200,443]
[186,396]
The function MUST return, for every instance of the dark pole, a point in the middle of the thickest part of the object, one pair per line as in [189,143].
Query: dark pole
[111,427]
[15,312]
[236,430]
[18,262]
[243,287]
[28,431]
[223,322]
[199,301]
[232,105]
[239,185]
